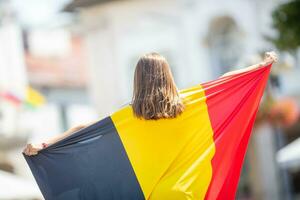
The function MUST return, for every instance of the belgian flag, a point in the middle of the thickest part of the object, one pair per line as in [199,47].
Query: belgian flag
[197,155]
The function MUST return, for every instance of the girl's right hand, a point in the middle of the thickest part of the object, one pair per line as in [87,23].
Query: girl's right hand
[270,57]
[32,149]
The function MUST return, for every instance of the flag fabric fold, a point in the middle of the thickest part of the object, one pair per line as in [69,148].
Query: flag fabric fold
[197,155]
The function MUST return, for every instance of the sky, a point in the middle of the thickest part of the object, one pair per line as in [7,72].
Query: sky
[32,13]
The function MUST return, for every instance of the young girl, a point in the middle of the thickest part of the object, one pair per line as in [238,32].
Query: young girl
[155,95]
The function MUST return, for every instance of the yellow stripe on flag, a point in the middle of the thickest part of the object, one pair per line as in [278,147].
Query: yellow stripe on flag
[171,157]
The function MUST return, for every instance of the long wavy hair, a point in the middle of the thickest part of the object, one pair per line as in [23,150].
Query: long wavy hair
[155,94]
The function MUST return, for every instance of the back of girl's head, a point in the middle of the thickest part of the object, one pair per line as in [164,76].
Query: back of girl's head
[155,94]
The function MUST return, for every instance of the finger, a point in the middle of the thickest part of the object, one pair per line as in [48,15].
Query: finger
[273,54]
[274,58]
[30,150]
[26,151]
[34,151]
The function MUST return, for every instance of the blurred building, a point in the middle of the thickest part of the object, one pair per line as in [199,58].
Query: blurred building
[56,65]
[13,84]
[202,40]
[85,70]
[13,79]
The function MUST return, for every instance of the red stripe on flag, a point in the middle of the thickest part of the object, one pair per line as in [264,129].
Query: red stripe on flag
[232,105]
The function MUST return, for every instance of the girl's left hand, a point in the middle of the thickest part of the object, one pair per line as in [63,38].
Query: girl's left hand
[32,149]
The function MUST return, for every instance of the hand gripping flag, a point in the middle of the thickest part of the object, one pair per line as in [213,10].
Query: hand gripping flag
[197,155]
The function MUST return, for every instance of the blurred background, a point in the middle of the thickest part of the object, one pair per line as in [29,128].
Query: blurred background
[64,62]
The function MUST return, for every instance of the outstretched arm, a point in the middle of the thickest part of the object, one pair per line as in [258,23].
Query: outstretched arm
[32,149]
[270,57]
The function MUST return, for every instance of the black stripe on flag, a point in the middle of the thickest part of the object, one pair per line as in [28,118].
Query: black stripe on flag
[90,164]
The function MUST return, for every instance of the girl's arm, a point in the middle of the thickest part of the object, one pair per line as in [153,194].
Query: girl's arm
[270,57]
[32,149]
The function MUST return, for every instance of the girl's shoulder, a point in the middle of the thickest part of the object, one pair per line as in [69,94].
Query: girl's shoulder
[126,104]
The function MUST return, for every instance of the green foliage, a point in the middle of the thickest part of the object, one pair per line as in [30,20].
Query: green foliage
[286,20]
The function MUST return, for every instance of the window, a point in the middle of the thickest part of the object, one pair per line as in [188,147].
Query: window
[225,44]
